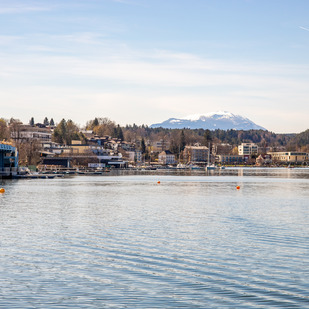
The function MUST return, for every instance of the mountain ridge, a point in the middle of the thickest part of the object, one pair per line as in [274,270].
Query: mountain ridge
[216,120]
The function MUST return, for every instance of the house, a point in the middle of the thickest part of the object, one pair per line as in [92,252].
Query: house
[263,160]
[166,157]
[128,146]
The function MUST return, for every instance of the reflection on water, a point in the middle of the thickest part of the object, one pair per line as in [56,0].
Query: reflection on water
[125,241]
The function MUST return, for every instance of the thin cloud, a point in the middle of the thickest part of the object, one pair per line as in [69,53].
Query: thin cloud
[20,8]
[129,2]
[304,28]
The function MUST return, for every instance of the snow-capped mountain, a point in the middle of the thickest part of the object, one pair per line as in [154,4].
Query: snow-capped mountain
[212,121]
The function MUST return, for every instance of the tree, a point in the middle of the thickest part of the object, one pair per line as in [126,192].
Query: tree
[4,131]
[182,143]
[143,146]
[91,124]
[15,128]
[72,132]
[65,132]
[31,122]
[52,123]
[207,137]
[45,121]
[174,148]
[119,132]
[95,122]
[59,134]
[29,152]
[105,127]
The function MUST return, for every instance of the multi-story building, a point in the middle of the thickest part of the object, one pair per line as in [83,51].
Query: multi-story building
[222,149]
[134,156]
[27,132]
[196,154]
[231,159]
[247,149]
[160,145]
[289,157]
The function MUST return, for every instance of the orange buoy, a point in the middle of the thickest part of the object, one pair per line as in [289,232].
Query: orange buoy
[159,182]
[2,190]
[238,187]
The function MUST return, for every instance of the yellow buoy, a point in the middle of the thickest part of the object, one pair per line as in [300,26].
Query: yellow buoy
[238,187]
[2,190]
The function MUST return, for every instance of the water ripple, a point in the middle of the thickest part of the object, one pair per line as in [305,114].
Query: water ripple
[129,243]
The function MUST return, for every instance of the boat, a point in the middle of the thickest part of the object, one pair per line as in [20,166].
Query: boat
[181,166]
[194,167]
[210,166]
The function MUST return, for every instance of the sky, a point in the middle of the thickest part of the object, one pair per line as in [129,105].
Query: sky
[144,61]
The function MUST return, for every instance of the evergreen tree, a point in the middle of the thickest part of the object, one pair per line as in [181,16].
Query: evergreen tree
[46,122]
[119,133]
[143,146]
[207,137]
[60,132]
[114,133]
[52,123]
[31,122]
[95,122]
[182,143]
[65,132]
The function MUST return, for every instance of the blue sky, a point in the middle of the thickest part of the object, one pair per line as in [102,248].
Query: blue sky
[144,61]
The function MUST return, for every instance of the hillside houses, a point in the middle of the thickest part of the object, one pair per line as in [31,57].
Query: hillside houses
[145,146]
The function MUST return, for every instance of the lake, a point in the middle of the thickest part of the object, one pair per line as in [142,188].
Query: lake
[126,241]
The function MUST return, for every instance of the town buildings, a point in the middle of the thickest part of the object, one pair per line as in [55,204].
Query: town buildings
[105,150]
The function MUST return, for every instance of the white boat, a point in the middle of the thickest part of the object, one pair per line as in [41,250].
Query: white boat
[181,166]
[210,166]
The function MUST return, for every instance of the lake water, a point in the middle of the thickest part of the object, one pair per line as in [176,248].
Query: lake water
[127,241]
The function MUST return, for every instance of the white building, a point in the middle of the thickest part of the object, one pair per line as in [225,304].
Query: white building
[247,149]
[27,132]
[289,157]
[166,157]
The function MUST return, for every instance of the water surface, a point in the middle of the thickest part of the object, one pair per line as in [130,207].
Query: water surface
[127,241]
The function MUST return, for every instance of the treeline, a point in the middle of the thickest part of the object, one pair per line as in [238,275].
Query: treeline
[67,130]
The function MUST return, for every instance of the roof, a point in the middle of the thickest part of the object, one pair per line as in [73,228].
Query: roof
[165,152]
